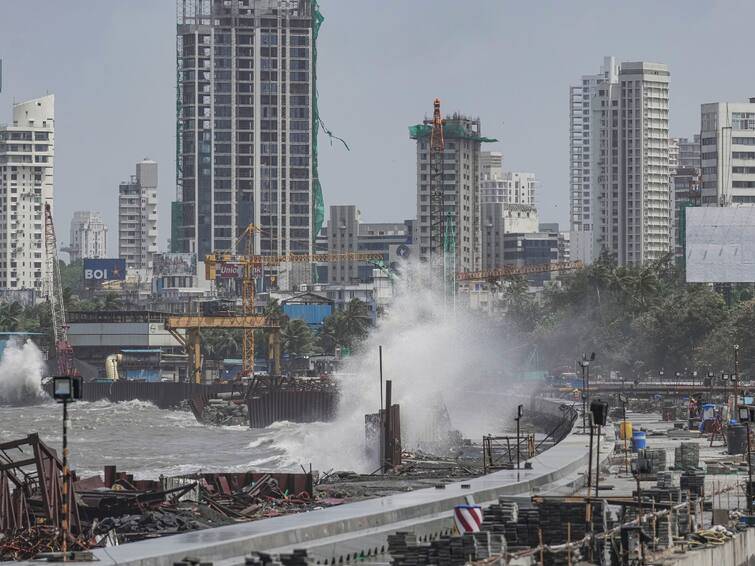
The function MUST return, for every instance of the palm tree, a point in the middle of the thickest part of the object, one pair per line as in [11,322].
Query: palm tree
[297,338]
[10,316]
[111,302]
[328,339]
[353,322]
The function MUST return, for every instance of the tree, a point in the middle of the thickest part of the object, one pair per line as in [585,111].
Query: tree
[297,338]
[111,302]
[219,344]
[346,328]
[354,322]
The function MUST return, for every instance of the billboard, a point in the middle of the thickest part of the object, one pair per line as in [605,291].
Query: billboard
[101,269]
[720,244]
[174,264]
[228,270]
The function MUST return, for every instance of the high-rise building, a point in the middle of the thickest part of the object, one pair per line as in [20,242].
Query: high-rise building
[26,185]
[619,147]
[345,232]
[491,164]
[689,152]
[461,187]
[685,185]
[497,219]
[137,217]
[585,126]
[728,153]
[246,116]
[88,236]
[510,187]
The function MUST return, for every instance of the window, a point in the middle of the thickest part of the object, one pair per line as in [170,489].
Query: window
[743,120]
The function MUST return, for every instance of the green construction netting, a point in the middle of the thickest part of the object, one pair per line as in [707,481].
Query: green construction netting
[449,130]
[318,204]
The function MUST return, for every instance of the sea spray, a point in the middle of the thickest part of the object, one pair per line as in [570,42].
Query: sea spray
[439,357]
[22,367]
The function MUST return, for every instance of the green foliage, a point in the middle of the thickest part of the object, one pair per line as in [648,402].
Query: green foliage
[637,319]
[298,338]
[348,327]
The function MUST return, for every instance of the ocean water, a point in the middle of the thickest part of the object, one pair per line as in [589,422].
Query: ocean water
[141,439]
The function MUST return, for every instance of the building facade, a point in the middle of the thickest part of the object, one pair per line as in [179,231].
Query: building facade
[584,141]
[137,217]
[491,164]
[689,152]
[510,187]
[623,142]
[461,182]
[88,236]
[27,149]
[345,232]
[498,219]
[727,132]
[245,122]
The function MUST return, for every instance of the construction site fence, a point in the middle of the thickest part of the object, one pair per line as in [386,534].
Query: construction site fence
[300,406]
[162,394]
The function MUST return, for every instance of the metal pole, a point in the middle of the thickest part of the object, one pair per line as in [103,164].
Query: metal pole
[748,491]
[736,374]
[589,463]
[584,398]
[517,443]
[626,454]
[587,388]
[388,440]
[64,522]
[380,356]
[597,464]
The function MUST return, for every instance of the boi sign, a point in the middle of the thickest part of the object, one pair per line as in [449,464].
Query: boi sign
[104,269]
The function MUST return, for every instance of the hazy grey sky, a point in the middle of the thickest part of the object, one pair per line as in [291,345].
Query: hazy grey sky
[111,65]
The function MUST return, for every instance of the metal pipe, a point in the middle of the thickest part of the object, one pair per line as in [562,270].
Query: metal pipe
[597,464]
[589,460]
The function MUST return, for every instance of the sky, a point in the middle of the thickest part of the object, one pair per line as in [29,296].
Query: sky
[111,66]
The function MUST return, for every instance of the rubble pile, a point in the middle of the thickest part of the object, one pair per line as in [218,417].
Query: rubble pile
[227,410]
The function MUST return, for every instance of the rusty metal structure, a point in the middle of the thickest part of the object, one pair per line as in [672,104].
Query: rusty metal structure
[437,190]
[253,267]
[31,487]
[54,290]
[192,341]
[512,271]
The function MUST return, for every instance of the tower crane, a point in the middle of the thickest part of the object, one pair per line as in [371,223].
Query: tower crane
[246,267]
[508,271]
[54,289]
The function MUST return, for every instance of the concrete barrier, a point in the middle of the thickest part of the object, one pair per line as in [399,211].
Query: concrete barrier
[346,531]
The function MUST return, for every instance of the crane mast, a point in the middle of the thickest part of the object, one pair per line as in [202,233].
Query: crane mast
[252,267]
[54,290]
[437,196]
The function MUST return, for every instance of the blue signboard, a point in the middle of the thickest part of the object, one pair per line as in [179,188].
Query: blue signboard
[104,269]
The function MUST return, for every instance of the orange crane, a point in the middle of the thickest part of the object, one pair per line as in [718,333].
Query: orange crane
[248,267]
[508,271]
[63,348]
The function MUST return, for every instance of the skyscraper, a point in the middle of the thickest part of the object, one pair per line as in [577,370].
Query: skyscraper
[137,217]
[247,123]
[728,153]
[88,236]
[26,185]
[619,145]
[461,187]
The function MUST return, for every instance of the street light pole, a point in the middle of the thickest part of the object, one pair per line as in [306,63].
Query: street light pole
[736,373]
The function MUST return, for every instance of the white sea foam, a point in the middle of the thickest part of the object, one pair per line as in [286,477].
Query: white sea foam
[436,356]
[21,370]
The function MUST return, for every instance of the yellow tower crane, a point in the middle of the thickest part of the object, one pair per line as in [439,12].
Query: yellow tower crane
[248,267]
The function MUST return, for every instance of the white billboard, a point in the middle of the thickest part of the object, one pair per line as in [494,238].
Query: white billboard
[720,244]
